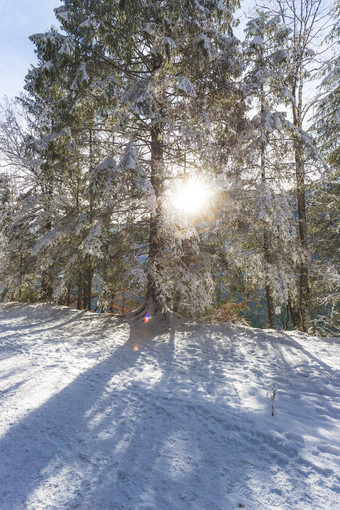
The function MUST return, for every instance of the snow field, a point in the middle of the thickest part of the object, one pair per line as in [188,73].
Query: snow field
[105,414]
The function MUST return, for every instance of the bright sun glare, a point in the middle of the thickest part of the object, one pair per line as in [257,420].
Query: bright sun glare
[192,197]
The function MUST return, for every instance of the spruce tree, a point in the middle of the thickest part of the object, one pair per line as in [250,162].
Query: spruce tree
[146,68]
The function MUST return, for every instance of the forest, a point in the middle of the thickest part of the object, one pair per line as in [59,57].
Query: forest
[168,156]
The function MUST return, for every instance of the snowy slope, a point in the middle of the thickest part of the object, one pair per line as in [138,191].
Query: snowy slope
[102,414]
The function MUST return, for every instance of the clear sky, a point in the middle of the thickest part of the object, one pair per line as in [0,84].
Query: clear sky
[21,18]
[18,20]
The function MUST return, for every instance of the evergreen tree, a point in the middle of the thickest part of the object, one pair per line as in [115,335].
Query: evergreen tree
[265,154]
[302,21]
[324,202]
[143,69]
[327,118]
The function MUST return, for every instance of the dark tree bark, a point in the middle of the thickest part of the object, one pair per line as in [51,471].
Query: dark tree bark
[294,314]
[89,272]
[79,291]
[20,277]
[266,249]
[89,288]
[84,292]
[46,287]
[68,295]
[304,289]
[153,304]
[304,19]
[47,277]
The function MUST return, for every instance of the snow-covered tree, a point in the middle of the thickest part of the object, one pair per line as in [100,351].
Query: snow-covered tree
[265,159]
[143,73]
[303,23]
[256,220]
[327,116]
[324,201]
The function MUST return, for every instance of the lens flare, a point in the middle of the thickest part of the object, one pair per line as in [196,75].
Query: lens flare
[192,197]
[147,318]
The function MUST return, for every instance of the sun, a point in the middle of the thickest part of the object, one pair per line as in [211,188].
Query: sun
[192,197]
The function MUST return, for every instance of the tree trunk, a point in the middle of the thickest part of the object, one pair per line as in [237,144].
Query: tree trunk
[89,274]
[304,290]
[84,292]
[123,303]
[176,302]
[287,318]
[68,295]
[153,304]
[20,277]
[79,291]
[294,313]
[46,287]
[269,308]
[89,288]
[267,256]
[47,276]
[269,297]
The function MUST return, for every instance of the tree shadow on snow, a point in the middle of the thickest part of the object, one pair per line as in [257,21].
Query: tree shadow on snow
[59,435]
[43,314]
[142,429]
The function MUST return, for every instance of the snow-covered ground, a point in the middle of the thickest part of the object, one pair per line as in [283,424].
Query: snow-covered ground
[105,414]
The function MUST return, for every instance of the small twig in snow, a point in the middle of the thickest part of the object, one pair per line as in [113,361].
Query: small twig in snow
[272,395]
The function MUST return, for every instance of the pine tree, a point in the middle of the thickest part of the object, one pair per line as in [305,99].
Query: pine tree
[324,202]
[327,117]
[302,21]
[155,59]
[266,146]
[22,210]
[257,222]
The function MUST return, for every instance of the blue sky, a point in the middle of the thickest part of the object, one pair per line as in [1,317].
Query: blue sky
[21,18]
[18,20]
